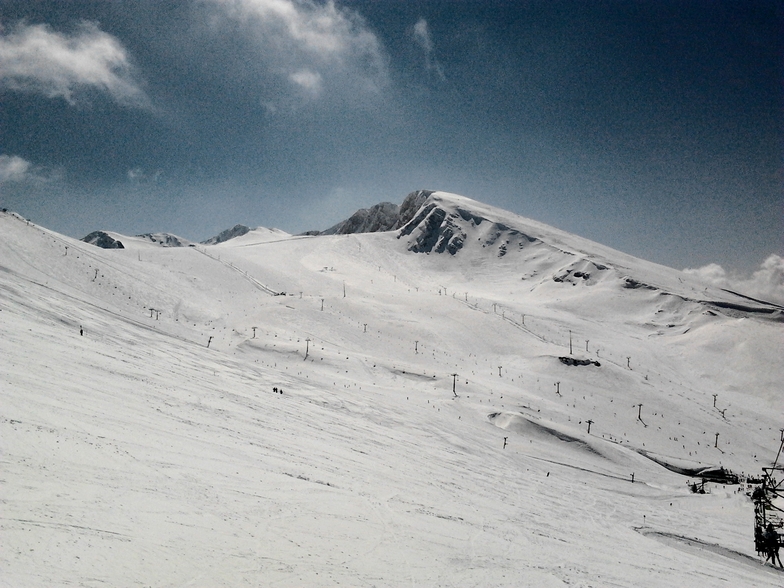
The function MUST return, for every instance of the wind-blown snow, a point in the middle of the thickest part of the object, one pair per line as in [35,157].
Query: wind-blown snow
[152,450]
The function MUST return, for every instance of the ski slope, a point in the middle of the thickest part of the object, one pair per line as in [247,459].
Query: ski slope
[152,451]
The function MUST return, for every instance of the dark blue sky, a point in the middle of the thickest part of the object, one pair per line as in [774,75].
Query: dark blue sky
[653,127]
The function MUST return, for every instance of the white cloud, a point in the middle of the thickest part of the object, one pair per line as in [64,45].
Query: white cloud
[33,58]
[422,35]
[17,170]
[138,175]
[310,43]
[13,168]
[766,283]
[423,38]
[309,81]
[713,273]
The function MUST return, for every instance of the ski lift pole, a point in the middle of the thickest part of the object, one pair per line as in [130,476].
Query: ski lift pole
[776,461]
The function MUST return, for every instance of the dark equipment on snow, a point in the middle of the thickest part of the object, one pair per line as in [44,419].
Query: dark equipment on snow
[768,498]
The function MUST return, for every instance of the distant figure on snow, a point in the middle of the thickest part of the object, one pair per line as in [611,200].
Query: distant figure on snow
[81,330]
[772,542]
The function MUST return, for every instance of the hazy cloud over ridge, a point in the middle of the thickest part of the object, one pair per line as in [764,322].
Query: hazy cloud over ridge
[34,58]
[766,283]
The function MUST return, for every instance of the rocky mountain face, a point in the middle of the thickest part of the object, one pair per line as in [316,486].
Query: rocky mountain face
[103,240]
[384,216]
[448,223]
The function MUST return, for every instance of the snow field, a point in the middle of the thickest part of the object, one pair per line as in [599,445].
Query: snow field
[137,455]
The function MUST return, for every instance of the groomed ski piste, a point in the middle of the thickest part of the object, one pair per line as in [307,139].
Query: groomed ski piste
[425,430]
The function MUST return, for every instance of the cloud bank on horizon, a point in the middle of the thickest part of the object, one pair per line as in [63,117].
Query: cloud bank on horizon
[654,129]
[766,283]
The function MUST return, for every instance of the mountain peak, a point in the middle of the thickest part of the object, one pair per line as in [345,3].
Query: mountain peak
[381,217]
[164,239]
[103,240]
[235,231]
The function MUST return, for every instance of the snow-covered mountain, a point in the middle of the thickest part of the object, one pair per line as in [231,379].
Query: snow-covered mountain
[235,231]
[164,239]
[470,399]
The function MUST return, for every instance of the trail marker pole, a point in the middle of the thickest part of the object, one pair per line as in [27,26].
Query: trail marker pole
[454,380]
[208,342]
[416,346]
[716,443]
[570,341]
[590,422]
[714,400]
[558,388]
[254,331]
[307,347]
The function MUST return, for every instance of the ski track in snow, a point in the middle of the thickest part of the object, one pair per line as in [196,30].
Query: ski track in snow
[153,451]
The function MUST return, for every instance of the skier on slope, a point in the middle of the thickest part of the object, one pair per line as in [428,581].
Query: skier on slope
[772,543]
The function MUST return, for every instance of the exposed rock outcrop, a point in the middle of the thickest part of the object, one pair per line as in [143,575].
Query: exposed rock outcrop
[103,240]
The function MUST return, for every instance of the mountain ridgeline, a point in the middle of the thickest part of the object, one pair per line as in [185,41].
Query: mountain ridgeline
[428,221]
